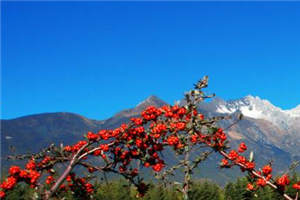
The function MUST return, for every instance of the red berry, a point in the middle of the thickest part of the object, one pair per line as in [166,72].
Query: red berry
[2,194]
[267,169]
[250,187]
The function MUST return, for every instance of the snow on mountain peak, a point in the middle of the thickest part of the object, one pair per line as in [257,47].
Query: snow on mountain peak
[250,106]
[257,108]
[295,112]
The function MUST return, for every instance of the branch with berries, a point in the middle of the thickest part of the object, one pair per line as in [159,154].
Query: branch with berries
[139,144]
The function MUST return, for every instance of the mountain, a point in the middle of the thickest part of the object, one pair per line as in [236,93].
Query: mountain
[277,126]
[34,132]
[271,132]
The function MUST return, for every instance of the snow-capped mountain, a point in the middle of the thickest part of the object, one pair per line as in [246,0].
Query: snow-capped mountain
[295,112]
[256,108]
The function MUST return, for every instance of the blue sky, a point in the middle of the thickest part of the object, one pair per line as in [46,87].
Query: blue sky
[97,58]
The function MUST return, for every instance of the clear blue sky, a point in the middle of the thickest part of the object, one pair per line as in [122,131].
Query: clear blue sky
[97,58]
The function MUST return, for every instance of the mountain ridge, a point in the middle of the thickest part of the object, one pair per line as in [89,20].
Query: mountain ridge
[156,101]
[268,139]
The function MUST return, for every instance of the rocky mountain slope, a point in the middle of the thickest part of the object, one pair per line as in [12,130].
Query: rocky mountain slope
[276,126]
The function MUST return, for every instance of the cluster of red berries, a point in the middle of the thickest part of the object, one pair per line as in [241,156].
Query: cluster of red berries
[45,161]
[16,174]
[283,181]
[75,183]
[260,178]
[151,113]
[296,186]
[49,180]
[75,147]
[237,159]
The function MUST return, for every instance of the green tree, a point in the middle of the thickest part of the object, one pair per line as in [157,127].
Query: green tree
[116,190]
[21,192]
[237,190]
[205,190]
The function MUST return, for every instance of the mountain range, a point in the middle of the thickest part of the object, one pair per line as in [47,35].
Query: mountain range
[272,133]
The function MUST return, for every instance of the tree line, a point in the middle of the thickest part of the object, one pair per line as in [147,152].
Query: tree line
[200,190]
